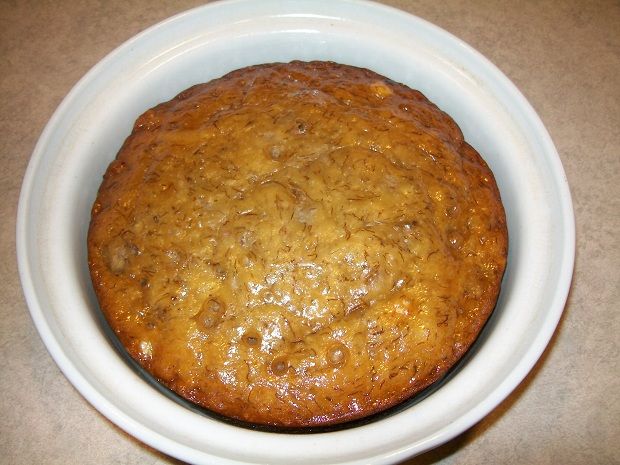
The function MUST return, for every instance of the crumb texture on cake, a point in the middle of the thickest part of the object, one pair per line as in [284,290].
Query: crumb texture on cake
[297,244]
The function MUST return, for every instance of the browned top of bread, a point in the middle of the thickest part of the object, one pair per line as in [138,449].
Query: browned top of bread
[297,244]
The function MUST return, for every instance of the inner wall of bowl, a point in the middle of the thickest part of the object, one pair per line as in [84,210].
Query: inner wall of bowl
[117,102]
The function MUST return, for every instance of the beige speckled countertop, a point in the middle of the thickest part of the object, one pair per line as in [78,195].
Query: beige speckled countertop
[565,58]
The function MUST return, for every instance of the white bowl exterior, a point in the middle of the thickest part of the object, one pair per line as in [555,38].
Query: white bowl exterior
[89,127]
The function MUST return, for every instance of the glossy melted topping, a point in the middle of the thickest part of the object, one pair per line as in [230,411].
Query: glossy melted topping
[297,244]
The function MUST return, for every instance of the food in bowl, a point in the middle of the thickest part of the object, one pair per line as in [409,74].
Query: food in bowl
[297,244]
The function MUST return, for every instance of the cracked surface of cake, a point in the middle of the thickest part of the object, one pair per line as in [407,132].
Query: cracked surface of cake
[297,244]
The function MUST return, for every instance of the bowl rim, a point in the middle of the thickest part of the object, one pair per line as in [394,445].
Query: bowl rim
[25,230]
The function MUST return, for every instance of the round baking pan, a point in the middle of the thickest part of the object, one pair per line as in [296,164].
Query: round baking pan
[89,126]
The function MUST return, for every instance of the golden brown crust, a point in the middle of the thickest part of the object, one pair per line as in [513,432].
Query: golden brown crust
[297,244]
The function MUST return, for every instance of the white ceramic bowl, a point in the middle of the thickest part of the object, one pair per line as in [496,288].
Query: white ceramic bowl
[90,125]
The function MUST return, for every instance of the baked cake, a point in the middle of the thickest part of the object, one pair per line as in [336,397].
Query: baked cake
[297,244]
